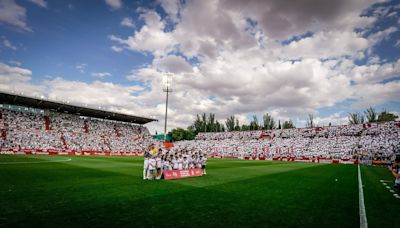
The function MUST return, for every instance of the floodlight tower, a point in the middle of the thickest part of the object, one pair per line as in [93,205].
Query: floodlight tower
[167,88]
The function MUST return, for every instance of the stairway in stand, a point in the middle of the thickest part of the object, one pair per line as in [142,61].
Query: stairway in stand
[47,123]
[86,127]
[63,141]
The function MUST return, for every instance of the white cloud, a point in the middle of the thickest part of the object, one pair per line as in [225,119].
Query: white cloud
[114,4]
[397,44]
[375,72]
[9,45]
[17,79]
[126,21]
[172,7]
[172,63]
[101,74]
[81,67]
[374,94]
[41,3]
[151,36]
[13,14]
[116,48]
[382,35]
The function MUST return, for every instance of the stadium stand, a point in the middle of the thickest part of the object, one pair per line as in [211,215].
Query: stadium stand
[28,131]
[33,125]
[369,141]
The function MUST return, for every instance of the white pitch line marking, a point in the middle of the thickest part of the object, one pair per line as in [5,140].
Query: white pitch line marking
[363,214]
[17,163]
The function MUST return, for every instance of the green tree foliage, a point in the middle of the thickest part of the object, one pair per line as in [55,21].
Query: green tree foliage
[371,115]
[179,134]
[230,123]
[203,123]
[198,125]
[268,122]
[386,116]
[356,118]
[245,127]
[237,126]
[254,124]
[288,124]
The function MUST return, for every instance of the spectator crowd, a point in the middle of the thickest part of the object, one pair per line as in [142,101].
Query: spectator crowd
[371,140]
[23,130]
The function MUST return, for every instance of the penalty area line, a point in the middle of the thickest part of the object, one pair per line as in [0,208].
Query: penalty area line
[363,214]
[16,163]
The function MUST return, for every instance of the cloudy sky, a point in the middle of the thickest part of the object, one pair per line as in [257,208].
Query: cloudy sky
[288,58]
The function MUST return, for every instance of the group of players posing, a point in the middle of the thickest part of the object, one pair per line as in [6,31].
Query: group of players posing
[156,162]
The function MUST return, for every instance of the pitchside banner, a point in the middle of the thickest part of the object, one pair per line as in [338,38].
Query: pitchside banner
[175,174]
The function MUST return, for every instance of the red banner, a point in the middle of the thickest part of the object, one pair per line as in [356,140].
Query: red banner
[176,174]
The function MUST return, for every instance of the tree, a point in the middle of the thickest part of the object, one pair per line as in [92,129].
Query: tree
[268,122]
[217,126]
[179,134]
[288,124]
[191,133]
[245,127]
[371,115]
[386,116]
[237,126]
[198,125]
[310,121]
[356,118]
[210,123]
[230,123]
[254,123]
[204,122]
[279,124]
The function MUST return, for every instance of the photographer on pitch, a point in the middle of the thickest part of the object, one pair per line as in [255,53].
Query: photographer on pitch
[395,169]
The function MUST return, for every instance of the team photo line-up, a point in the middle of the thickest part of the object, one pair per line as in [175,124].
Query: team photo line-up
[158,161]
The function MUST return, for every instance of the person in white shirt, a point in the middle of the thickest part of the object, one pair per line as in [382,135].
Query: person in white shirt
[191,163]
[180,162]
[159,164]
[198,162]
[175,164]
[152,168]
[167,165]
[185,163]
[146,165]
[203,164]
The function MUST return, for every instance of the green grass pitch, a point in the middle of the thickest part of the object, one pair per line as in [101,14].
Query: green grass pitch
[110,192]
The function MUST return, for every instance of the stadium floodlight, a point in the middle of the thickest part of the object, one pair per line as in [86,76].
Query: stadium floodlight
[167,88]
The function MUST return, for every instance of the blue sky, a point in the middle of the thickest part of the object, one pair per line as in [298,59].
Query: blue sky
[234,57]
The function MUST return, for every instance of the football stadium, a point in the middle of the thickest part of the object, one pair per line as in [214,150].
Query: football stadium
[185,113]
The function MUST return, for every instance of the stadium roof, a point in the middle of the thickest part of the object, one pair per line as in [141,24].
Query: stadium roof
[17,99]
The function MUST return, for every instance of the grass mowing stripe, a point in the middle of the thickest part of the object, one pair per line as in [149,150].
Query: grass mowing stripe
[34,162]
[363,214]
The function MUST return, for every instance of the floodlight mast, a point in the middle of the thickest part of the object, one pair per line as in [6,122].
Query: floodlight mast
[166,88]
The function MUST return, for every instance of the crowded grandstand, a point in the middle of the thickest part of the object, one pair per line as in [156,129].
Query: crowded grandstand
[364,141]
[36,130]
